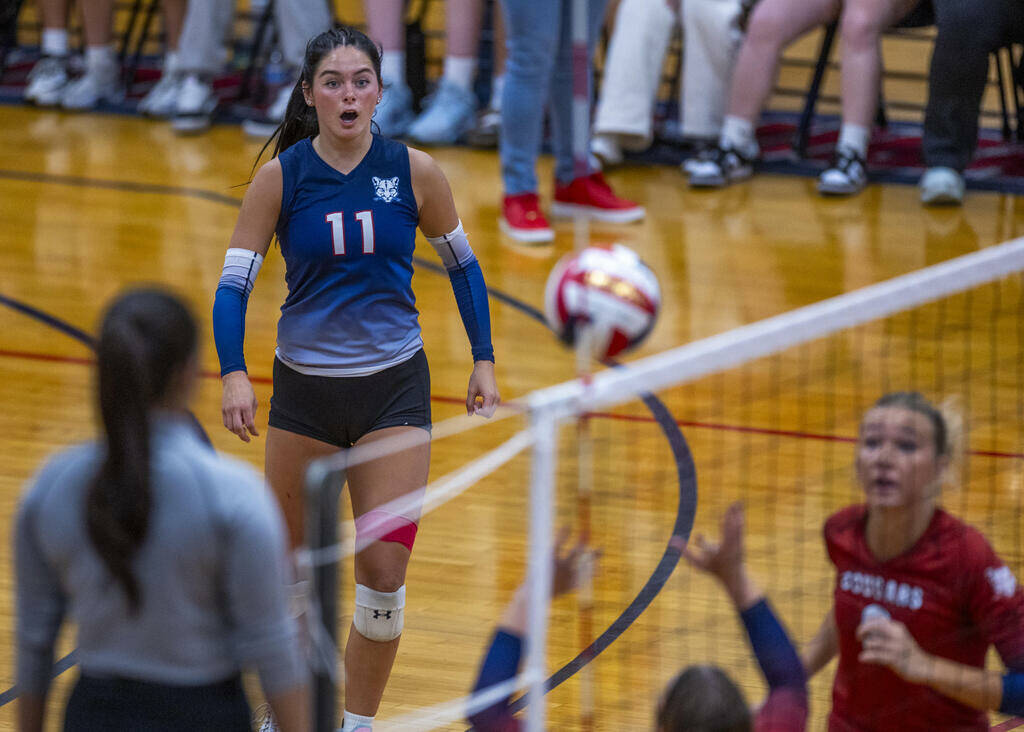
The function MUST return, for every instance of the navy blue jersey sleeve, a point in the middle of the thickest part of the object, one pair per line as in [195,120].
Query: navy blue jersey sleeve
[471,295]
[1013,694]
[500,664]
[775,653]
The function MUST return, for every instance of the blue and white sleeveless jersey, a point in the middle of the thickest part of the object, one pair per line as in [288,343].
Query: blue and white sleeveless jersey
[347,242]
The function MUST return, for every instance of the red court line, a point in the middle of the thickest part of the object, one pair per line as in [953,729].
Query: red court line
[796,434]
[1008,724]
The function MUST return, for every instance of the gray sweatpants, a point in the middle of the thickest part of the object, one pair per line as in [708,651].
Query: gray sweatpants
[201,48]
[968,30]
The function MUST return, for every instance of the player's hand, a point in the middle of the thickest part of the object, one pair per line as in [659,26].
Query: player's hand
[238,405]
[887,642]
[725,559]
[482,397]
[570,569]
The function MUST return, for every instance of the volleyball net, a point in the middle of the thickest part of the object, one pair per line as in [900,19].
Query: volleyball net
[766,413]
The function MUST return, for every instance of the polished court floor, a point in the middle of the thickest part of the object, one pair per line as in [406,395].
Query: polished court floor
[92,203]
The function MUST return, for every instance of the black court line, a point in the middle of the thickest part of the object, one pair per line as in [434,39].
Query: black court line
[119,185]
[680,449]
[64,327]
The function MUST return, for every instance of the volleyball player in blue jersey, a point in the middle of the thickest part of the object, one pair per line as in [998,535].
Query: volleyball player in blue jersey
[349,367]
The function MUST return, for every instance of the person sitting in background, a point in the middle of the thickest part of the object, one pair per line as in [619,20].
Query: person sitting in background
[701,697]
[450,111]
[773,25]
[169,559]
[160,100]
[967,33]
[202,54]
[910,576]
[48,82]
[633,67]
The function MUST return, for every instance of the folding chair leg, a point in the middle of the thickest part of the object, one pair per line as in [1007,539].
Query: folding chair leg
[811,100]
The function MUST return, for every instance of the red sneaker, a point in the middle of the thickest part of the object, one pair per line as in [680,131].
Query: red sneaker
[593,197]
[522,219]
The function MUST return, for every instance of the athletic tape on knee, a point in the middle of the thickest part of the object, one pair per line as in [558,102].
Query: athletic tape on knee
[379,616]
[386,526]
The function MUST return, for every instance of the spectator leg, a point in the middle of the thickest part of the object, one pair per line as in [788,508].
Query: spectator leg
[532,32]
[958,73]
[632,68]
[712,43]
[560,99]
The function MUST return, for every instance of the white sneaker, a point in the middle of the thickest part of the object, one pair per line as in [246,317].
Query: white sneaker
[162,99]
[606,148]
[101,84]
[942,187]
[847,174]
[719,167]
[193,112]
[447,115]
[46,81]
[264,718]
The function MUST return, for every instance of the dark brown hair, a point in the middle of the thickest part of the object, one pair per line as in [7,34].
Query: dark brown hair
[703,699]
[147,338]
[300,118]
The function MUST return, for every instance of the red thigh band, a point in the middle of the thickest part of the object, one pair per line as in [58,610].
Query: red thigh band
[388,527]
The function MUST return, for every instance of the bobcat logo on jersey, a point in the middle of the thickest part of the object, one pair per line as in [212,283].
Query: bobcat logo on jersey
[1004,584]
[386,189]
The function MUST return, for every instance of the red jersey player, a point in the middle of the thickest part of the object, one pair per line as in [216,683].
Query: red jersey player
[919,595]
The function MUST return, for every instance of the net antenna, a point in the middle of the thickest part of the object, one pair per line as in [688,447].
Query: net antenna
[581,96]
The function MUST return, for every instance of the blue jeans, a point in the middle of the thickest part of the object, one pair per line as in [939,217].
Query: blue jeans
[538,74]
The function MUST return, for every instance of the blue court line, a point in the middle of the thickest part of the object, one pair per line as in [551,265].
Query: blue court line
[685,468]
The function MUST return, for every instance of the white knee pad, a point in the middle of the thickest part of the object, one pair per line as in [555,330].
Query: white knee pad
[379,616]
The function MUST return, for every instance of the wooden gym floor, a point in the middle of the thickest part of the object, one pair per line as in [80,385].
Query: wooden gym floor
[91,204]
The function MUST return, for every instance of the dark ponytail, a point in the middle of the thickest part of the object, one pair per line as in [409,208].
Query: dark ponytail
[300,118]
[147,338]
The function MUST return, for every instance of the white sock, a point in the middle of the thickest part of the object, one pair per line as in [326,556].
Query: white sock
[392,67]
[460,70]
[738,134]
[497,89]
[99,57]
[355,721]
[170,62]
[55,42]
[854,138]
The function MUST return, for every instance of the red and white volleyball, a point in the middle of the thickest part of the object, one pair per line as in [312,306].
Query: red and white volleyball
[607,295]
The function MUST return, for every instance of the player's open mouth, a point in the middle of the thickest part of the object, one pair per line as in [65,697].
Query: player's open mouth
[349,116]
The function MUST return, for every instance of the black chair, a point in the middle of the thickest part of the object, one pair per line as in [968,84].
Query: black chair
[1008,65]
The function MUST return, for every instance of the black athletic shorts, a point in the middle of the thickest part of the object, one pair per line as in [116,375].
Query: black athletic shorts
[339,410]
[102,704]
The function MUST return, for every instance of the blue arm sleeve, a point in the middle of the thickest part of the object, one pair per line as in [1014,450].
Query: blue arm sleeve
[1013,693]
[500,664]
[471,296]
[775,653]
[229,326]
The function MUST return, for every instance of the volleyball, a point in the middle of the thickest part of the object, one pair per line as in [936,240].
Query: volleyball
[607,295]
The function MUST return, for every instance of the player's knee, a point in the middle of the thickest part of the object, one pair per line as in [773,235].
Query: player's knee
[379,616]
[384,526]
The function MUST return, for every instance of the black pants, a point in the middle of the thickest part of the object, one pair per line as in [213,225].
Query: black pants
[968,30]
[98,704]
